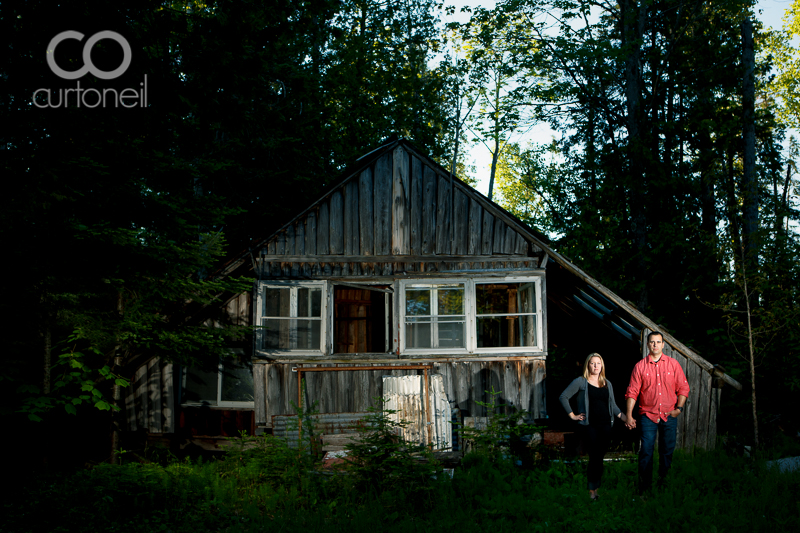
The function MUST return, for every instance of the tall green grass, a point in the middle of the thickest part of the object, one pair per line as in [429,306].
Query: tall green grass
[262,485]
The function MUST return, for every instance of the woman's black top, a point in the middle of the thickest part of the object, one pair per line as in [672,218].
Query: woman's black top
[598,403]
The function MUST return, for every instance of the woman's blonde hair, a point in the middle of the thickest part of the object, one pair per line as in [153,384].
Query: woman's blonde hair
[601,380]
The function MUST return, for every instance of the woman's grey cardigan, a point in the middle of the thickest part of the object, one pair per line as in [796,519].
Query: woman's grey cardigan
[580,387]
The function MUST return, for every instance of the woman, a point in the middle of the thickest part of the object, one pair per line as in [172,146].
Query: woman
[596,412]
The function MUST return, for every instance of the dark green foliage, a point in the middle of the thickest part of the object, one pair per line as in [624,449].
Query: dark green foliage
[645,189]
[506,437]
[265,486]
[118,218]
[383,464]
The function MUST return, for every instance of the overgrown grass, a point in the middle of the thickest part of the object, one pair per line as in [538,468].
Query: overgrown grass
[264,486]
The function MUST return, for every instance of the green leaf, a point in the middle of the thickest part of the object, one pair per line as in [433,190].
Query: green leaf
[103,406]
[34,418]
[69,408]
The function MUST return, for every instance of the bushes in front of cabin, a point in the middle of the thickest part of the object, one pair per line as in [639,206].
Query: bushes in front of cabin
[263,485]
[251,492]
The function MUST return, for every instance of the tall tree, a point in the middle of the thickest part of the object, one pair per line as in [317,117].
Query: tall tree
[495,42]
[120,215]
[647,187]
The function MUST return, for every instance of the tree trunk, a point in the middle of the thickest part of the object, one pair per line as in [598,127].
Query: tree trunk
[494,165]
[750,181]
[634,17]
[457,133]
[496,153]
[116,411]
[48,363]
[751,349]
[732,203]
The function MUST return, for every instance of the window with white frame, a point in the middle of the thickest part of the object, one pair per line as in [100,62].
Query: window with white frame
[435,316]
[293,317]
[471,316]
[231,385]
[505,314]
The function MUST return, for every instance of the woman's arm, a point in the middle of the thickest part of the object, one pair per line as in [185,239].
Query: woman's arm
[568,393]
[615,411]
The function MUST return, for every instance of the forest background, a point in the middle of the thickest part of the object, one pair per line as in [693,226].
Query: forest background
[669,180]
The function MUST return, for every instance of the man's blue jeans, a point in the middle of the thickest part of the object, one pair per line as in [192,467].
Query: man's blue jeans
[667,434]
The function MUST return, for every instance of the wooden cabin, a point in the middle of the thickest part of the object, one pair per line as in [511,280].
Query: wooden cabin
[401,264]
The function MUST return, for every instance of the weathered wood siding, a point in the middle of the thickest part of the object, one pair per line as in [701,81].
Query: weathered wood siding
[150,400]
[697,425]
[404,213]
[520,385]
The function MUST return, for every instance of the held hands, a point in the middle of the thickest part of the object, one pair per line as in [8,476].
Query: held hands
[630,422]
[578,417]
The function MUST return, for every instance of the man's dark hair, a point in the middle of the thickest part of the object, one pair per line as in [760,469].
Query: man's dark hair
[654,333]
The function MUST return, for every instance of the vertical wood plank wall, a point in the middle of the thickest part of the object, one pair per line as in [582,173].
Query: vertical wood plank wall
[520,383]
[697,425]
[398,206]
[150,401]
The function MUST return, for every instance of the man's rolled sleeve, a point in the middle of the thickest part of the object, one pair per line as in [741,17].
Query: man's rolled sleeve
[681,383]
[635,384]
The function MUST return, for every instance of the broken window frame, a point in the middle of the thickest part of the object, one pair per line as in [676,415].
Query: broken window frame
[324,319]
[388,312]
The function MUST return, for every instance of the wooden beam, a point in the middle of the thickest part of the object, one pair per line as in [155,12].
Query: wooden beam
[388,358]
[392,258]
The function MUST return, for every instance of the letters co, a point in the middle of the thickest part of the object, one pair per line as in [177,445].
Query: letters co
[91,97]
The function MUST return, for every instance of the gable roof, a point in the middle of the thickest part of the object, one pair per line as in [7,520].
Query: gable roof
[396,205]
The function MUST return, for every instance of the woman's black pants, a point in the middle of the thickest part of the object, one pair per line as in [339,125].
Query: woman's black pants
[596,439]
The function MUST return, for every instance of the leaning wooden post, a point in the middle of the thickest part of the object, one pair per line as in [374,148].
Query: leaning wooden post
[428,410]
[299,405]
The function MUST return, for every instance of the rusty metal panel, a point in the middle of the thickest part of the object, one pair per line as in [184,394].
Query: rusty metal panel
[405,394]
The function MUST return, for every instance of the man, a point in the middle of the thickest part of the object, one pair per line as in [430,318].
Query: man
[660,385]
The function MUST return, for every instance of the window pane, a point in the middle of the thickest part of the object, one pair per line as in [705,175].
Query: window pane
[494,298]
[451,300]
[505,298]
[309,301]
[526,295]
[308,332]
[237,381]
[418,333]
[506,331]
[418,302]
[452,332]
[292,334]
[276,301]
[277,334]
[201,386]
